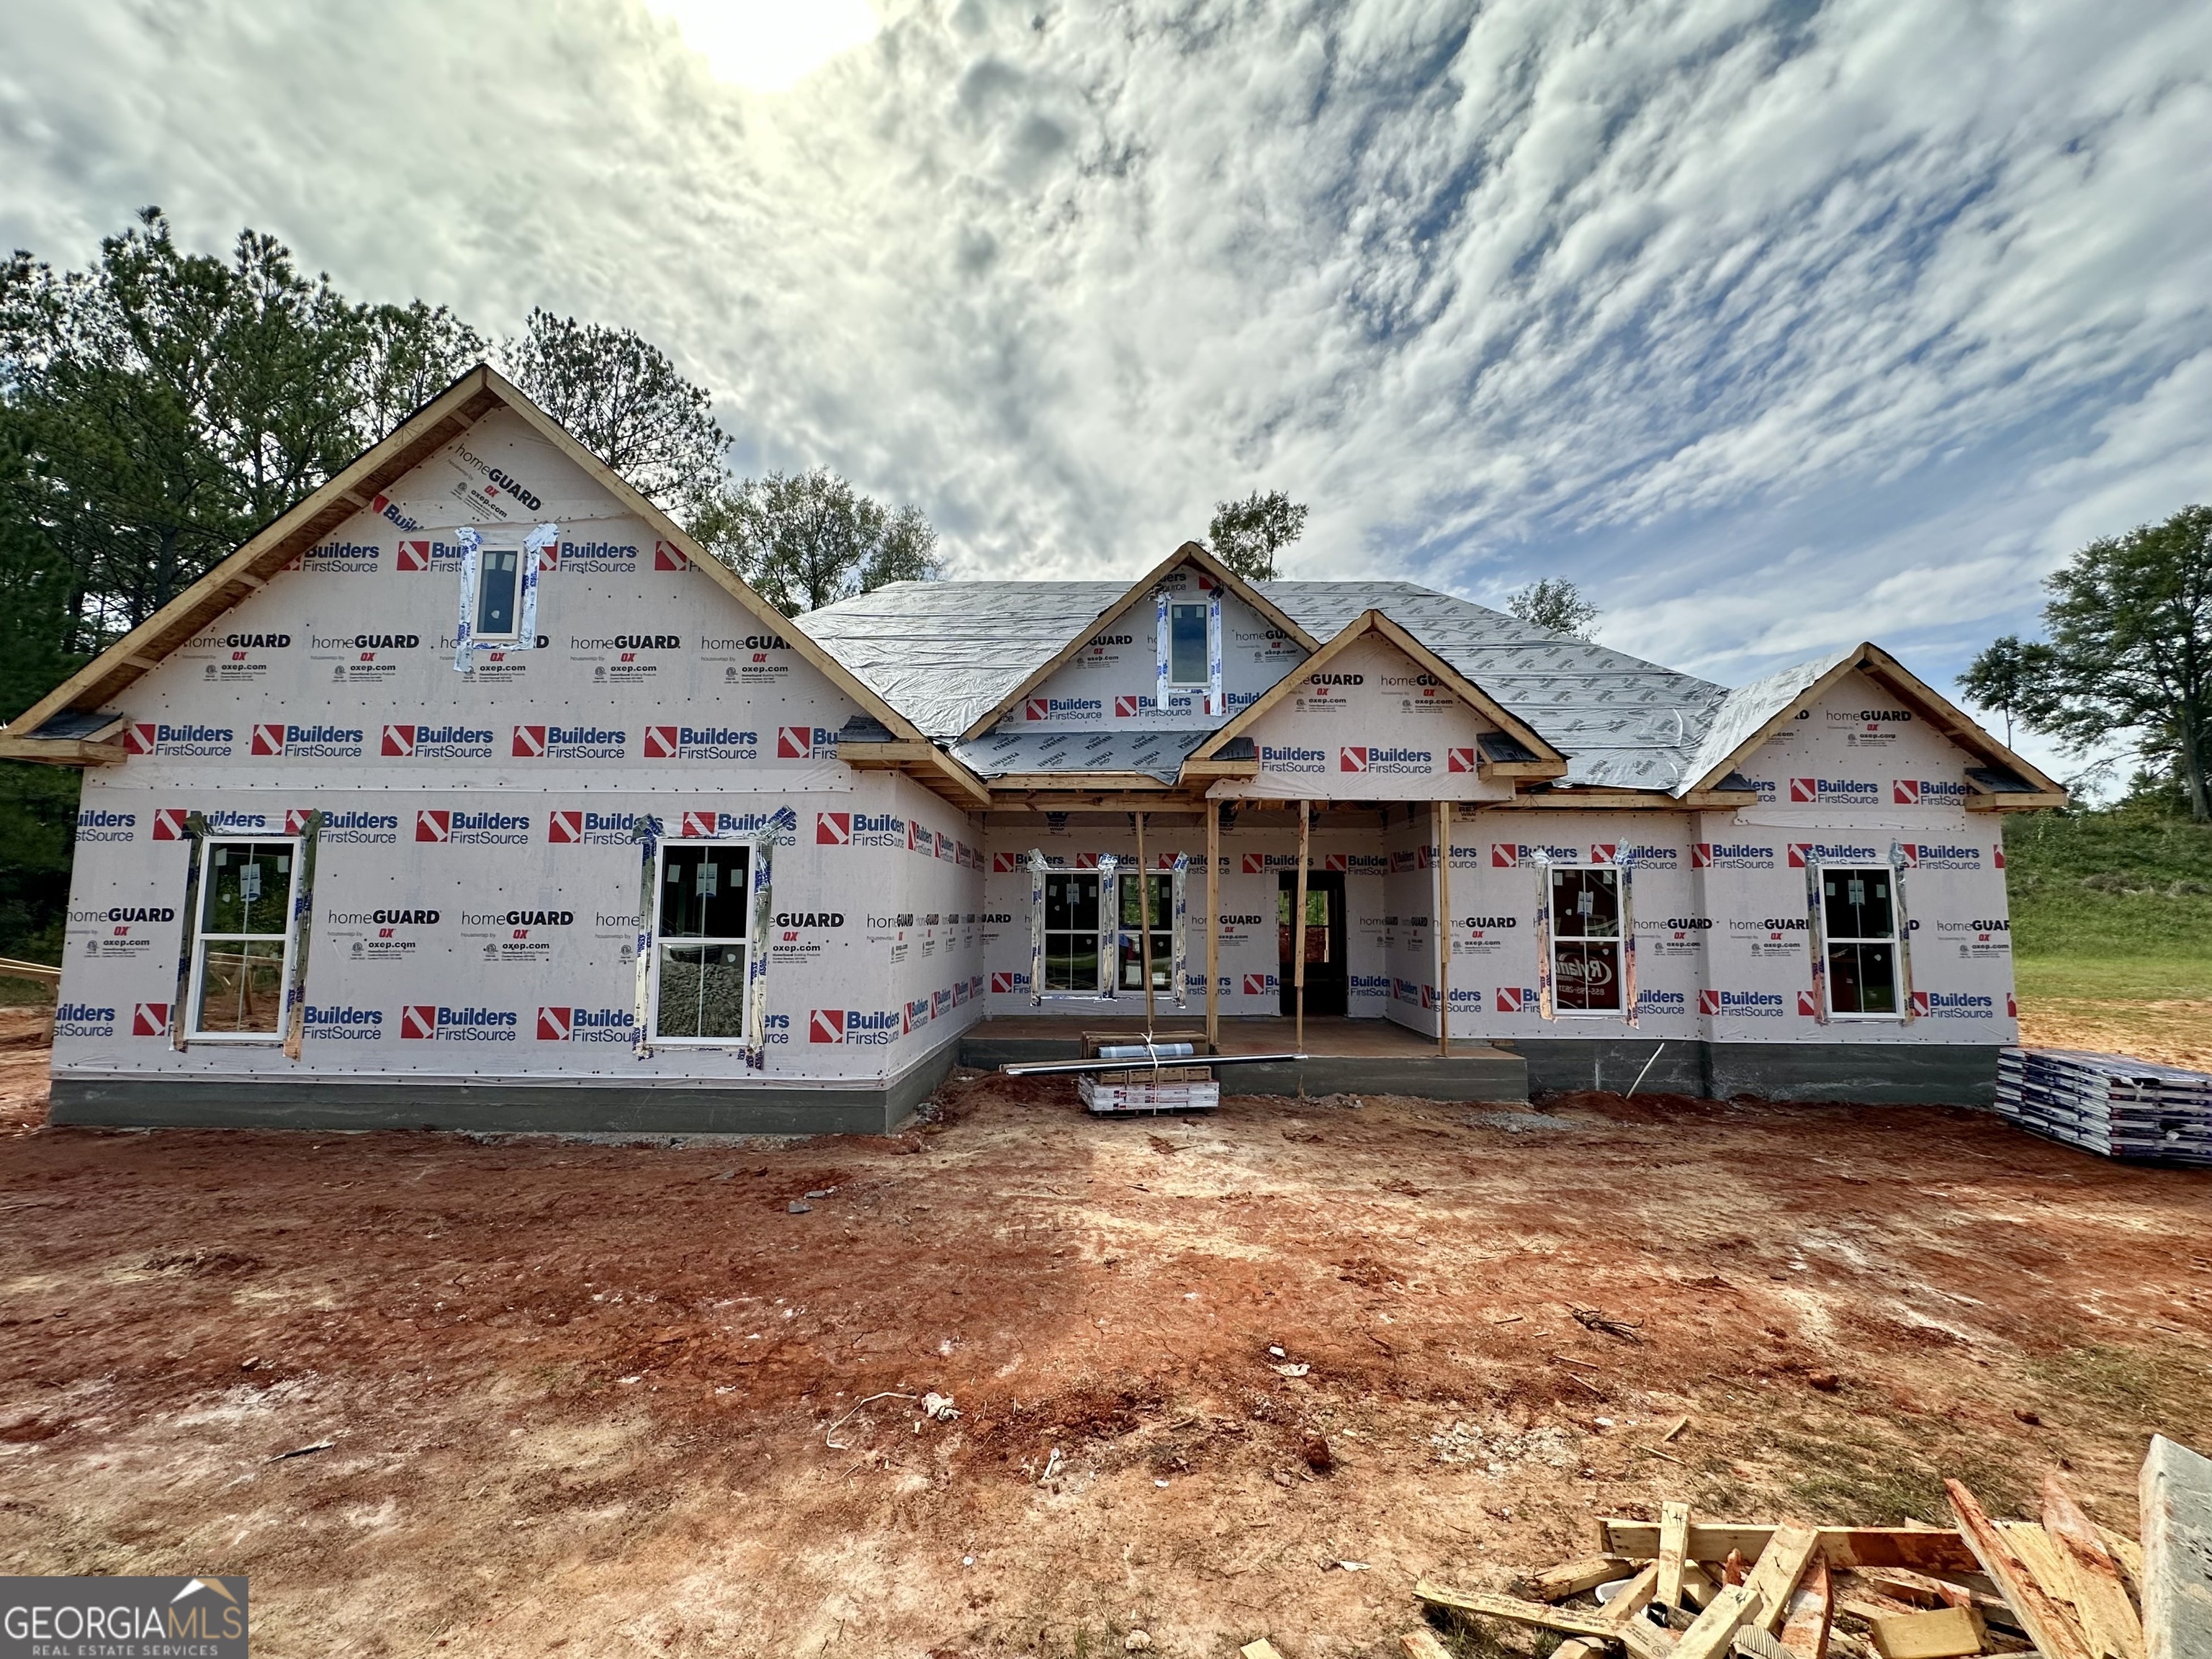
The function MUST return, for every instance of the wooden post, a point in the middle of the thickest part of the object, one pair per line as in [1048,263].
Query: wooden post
[1299,926]
[1440,816]
[1212,926]
[1144,921]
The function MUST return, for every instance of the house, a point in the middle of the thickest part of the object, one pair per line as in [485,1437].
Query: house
[472,792]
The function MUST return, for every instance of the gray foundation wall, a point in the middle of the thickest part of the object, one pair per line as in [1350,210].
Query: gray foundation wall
[1868,1073]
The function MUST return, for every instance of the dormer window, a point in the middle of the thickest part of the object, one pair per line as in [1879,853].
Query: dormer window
[499,589]
[499,592]
[1190,665]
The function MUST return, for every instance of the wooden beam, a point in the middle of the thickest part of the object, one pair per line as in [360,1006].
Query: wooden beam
[1642,1640]
[1673,1549]
[1812,1608]
[1298,923]
[63,751]
[1924,1549]
[1572,1577]
[2176,1492]
[1212,927]
[1144,920]
[1440,816]
[2048,1625]
[1779,1568]
[1945,1633]
[2100,1591]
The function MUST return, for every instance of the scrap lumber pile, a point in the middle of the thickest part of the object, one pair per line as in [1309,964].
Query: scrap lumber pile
[2108,1104]
[2061,1586]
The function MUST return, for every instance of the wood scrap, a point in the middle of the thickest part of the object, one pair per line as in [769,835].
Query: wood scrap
[1675,1428]
[1673,1549]
[1423,1645]
[2048,1626]
[1924,1550]
[1944,1633]
[1572,1577]
[2109,1623]
[1263,1649]
[1597,1319]
[1710,1633]
[1929,1591]
[1640,1639]
[1630,1599]
[1777,1572]
[2125,1550]
[1812,1607]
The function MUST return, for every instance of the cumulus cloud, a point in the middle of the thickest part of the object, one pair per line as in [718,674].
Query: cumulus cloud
[1774,324]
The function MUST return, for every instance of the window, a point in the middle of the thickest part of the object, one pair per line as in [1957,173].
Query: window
[703,942]
[1162,931]
[1189,661]
[1859,930]
[1071,933]
[499,593]
[1586,976]
[1317,927]
[242,950]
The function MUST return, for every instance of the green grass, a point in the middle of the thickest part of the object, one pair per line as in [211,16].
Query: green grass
[2117,901]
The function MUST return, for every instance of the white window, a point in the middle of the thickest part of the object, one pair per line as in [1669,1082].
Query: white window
[1162,894]
[703,942]
[1586,939]
[242,938]
[1858,937]
[496,607]
[1071,934]
[1190,658]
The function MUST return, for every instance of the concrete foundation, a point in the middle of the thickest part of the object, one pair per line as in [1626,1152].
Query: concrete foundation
[1873,1074]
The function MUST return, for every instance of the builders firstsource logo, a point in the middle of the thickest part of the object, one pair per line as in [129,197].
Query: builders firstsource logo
[1952,1004]
[84,1019]
[584,829]
[570,1024]
[1806,853]
[1292,757]
[1841,791]
[1515,999]
[1926,791]
[1510,856]
[596,557]
[1079,710]
[95,823]
[1367,757]
[1731,855]
[1936,855]
[156,738]
[1645,855]
[282,741]
[1742,1004]
[805,743]
[340,558]
[424,1021]
[860,829]
[569,743]
[462,828]
[339,1022]
[853,1025]
[417,741]
[426,553]
[723,743]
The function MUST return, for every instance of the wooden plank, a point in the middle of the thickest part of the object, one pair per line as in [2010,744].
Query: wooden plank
[1642,1641]
[1936,1550]
[1712,1631]
[1812,1607]
[1423,1645]
[1263,1649]
[2176,1492]
[1945,1633]
[1572,1577]
[2129,1553]
[1630,1601]
[2048,1626]
[1674,1547]
[1930,1591]
[1777,1571]
[2109,1623]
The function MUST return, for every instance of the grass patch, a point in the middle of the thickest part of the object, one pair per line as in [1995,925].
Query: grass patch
[2115,979]
[1846,1482]
[2142,1388]
[2120,885]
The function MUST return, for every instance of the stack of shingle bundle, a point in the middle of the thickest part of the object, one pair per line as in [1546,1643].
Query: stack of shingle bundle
[2108,1104]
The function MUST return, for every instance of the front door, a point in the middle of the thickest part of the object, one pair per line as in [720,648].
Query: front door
[1327,987]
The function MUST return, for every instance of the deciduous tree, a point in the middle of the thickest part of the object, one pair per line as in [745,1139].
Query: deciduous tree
[1555,603]
[808,539]
[1246,535]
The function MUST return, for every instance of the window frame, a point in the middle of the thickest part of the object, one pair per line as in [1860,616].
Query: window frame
[485,552]
[1204,609]
[1129,935]
[1093,932]
[1899,978]
[202,896]
[1624,925]
[662,943]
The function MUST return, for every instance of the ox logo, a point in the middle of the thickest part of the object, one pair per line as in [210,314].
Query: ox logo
[399,741]
[433,825]
[419,1020]
[661,742]
[1804,789]
[1002,984]
[827,1025]
[1459,760]
[666,555]
[268,740]
[530,742]
[149,1019]
[1806,1006]
[1256,864]
[1351,760]
[1258,985]
[169,823]
[833,829]
[565,829]
[1126,708]
[1037,708]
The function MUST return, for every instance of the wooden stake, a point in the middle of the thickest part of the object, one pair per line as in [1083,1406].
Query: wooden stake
[1440,817]
[1145,921]
[1212,926]
[1298,923]
[2100,1591]
[1674,1547]
[1805,1621]
[2047,1624]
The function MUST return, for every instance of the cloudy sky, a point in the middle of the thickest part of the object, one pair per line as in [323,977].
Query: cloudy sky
[1775,325]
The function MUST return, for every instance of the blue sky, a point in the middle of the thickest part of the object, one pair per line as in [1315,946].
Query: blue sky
[1775,326]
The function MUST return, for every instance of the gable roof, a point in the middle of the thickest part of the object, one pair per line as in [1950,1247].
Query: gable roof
[1752,714]
[53,728]
[1374,624]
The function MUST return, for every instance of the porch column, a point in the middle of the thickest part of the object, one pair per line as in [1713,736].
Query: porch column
[1298,924]
[1212,925]
[1440,814]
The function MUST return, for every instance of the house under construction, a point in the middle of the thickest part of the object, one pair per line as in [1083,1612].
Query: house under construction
[471,792]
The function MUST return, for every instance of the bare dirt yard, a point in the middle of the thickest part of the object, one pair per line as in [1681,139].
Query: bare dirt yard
[595,1399]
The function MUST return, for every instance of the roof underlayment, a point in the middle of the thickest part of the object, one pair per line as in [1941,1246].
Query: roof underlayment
[945,653]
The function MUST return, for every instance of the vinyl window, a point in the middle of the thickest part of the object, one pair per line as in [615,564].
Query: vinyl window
[243,938]
[1071,933]
[1190,664]
[1586,939]
[703,942]
[1162,931]
[496,605]
[1858,934]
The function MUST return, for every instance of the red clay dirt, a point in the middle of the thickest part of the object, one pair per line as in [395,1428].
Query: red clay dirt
[596,1399]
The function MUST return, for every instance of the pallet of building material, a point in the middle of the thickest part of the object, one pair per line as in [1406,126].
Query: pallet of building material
[1149,1089]
[2110,1104]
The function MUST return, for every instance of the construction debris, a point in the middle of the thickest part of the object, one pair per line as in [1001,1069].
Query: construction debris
[2068,1588]
[1597,1319]
[2108,1104]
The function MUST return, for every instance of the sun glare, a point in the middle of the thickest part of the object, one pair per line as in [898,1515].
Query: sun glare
[768,45]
